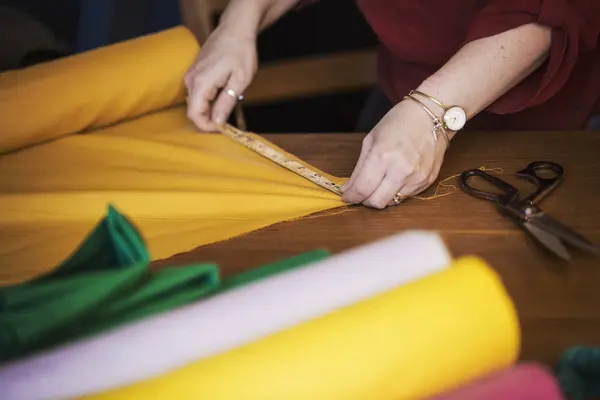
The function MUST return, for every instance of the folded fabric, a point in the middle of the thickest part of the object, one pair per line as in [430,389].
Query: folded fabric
[527,381]
[100,284]
[113,258]
[578,371]
[106,283]
[138,151]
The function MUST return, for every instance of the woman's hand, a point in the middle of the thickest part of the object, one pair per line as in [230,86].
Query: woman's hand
[399,156]
[228,60]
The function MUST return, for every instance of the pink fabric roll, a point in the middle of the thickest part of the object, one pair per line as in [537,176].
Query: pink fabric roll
[527,381]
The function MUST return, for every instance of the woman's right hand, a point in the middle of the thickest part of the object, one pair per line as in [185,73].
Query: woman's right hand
[227,60]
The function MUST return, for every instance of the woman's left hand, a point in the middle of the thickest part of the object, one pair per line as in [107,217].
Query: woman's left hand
[399,156]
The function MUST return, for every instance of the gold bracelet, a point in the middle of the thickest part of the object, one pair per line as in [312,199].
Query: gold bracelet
[454,118]
[437,124]
[429,97]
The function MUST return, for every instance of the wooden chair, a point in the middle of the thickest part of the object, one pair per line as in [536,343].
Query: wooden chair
[290,79]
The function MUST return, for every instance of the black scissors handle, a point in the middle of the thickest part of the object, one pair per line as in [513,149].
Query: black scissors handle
[545,186]
[508,193]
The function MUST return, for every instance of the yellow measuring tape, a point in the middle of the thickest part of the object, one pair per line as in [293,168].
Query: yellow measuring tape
[278,157]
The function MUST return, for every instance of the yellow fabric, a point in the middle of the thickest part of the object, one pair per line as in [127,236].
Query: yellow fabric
[182,188]
[409,343]
[94,89]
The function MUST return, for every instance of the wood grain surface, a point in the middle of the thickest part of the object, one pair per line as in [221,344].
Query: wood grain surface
[558,302]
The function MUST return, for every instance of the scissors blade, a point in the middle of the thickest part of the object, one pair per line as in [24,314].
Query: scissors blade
[555,228]
[550,241]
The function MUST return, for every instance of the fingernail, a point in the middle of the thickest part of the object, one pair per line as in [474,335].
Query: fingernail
[219,119]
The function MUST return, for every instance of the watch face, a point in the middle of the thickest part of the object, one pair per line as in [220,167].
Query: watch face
[455,118]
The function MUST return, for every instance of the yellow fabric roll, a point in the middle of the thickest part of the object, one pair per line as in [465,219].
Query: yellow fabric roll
[182,188]
[409,343]
[94,89]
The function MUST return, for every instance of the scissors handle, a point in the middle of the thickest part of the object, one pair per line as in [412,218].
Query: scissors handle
[508,192]
[544,185]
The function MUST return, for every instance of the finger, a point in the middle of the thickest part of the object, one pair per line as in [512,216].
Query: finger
[420,186]
[403,177]
[204,89]
[366,147]
[383,196]
[405,192]
[188,78]
[413,184]
[225,102]
[367,180]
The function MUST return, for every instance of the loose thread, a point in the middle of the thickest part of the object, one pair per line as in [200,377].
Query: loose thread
[444,184]
[329,213]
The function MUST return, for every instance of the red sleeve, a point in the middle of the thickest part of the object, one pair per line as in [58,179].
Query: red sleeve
[575,29]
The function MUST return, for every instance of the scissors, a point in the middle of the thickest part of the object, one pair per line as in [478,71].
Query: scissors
[526,212]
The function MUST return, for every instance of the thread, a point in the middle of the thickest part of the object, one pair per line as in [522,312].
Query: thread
[330,213]
[578,372]
[444,184]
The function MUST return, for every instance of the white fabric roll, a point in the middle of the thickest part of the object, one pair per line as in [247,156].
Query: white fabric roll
[161,343]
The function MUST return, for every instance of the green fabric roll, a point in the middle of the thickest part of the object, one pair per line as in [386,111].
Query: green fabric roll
[105,283]
[578,372]
[277,267]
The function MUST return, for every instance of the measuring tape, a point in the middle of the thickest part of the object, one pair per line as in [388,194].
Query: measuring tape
[279,158]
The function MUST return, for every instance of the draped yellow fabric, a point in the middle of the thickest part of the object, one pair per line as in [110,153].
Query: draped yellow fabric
[138,151]
[410,343]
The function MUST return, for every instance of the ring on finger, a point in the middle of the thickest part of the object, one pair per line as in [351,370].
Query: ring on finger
[399,198]
[233,94]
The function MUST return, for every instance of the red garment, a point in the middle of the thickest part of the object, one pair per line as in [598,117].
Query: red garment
[419,36]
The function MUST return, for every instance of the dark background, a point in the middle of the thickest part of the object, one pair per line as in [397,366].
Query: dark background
[326,27]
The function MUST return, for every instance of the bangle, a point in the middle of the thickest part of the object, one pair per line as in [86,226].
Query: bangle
[438,127]
[454,117]
[429,97]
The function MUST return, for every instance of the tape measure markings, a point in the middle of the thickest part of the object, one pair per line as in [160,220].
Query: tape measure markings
[276,156]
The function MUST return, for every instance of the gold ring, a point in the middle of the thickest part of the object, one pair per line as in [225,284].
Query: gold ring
[399,198]
[233,94]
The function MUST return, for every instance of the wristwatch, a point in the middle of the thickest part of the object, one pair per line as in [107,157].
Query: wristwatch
[454,117]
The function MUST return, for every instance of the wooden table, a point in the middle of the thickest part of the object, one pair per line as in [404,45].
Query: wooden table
[558,302]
